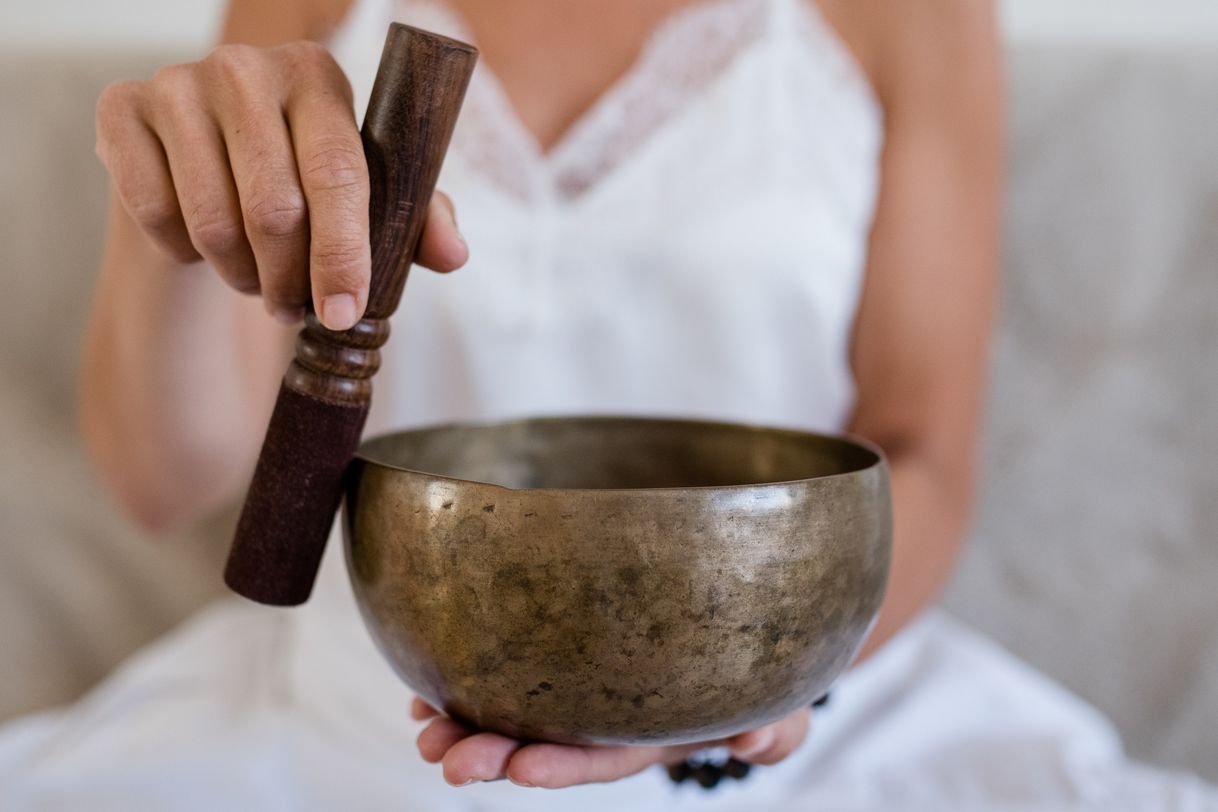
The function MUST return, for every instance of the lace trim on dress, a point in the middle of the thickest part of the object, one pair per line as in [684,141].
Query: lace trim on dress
[686,52]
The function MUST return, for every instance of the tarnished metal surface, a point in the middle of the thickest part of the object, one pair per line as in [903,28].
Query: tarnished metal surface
[617,580]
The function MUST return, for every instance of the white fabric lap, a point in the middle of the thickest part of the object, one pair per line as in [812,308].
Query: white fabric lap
[939,720]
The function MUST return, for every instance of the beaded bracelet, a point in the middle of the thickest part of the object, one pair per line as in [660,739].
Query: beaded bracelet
[707,774]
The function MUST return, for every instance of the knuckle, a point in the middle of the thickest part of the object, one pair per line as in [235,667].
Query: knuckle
[214,232]
[154,214]
[277,213]
[233,62]
[335,165]
[173,82]
[237,77]
[116,102]
[307,53]
[117,99]
[314,61]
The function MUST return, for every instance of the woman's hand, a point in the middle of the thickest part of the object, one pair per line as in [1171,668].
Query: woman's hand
[470,755]
[251,160]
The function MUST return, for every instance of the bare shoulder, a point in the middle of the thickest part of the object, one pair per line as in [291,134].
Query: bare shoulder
[272,22]
[915,47]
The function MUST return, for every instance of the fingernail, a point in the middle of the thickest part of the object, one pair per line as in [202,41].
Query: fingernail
[288,316]
[763,744]
[338,311]
[521,783]
[466,782]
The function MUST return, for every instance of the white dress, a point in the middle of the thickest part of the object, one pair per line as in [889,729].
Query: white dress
[694,246]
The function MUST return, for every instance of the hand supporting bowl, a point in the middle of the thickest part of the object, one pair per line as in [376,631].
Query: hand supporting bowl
[604,580]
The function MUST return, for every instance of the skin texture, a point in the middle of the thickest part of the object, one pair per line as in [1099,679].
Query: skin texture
[212,196]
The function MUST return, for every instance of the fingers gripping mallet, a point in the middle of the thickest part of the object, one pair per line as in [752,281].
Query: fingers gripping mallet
[325,395]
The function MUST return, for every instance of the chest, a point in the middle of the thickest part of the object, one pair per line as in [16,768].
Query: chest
[697,237]
[555,58]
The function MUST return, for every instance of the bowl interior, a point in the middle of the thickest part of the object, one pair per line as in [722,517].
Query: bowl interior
[618,453]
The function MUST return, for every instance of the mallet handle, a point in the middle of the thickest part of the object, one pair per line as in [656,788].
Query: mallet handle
[325,395]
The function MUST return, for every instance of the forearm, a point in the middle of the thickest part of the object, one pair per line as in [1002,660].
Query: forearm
[921,344]
[174,383]
[929,518]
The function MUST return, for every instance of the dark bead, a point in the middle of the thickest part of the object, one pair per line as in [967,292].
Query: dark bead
[735,768]
[680,771]
[708,775]
[820,703]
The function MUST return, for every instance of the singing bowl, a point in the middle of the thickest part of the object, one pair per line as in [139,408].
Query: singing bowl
[608,580]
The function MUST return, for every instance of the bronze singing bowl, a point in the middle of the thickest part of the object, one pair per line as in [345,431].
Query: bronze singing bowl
[608,580]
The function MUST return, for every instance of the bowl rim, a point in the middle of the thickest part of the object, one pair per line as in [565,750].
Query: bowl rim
[879,460]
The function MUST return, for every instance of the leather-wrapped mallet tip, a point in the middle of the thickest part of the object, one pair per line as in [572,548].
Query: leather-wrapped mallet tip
[291,502]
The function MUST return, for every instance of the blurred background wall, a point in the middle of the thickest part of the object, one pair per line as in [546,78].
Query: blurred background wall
[166,23]
[1095,552]
[192,23]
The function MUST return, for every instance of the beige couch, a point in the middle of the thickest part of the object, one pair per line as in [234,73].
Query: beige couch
[1094,554]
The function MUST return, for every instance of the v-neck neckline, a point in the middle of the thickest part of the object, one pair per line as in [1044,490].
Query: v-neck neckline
[649,53]
[649,74]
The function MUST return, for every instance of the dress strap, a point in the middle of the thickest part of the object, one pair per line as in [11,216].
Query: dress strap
[784,16]
[803,26]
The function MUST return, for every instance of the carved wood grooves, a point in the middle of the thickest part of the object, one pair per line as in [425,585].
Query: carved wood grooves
[337,367]
[413,109]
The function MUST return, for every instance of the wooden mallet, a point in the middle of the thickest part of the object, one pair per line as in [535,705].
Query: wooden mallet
[325,395]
